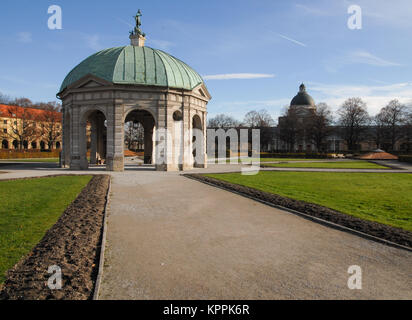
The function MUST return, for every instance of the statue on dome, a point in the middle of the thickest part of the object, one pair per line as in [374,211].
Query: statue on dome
[137,30]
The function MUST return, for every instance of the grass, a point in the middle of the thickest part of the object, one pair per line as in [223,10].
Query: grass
[28,209]
[381,197]
[31,160]
[330,165]
[276,159]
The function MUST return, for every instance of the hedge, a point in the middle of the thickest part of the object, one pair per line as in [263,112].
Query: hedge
[302,155]
[405,158]
[27,154]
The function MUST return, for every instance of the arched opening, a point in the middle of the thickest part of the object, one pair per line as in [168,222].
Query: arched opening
[58,145]
[15,144]
[42,145]
[4,144]
[138,137]
[197,145]
[34,145]
[96,138]
[25,144]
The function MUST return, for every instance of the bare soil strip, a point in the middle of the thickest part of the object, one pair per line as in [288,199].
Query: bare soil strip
[73,244]
[374,229]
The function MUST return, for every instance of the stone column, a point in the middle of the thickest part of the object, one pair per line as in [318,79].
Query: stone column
[74,138]
[115,140]
[65,138]
[187,162]
[93,142]
[148,126]
[84,164]
[100,143]
[204,154]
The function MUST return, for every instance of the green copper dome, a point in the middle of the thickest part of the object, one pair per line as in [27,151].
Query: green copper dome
[302,98]
[138,66]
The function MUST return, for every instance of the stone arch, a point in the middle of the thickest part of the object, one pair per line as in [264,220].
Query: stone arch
[15,144]
[34,145]
[147,119]
[42,145]
[198,147]
[58,145]
[129,109]
[93,137]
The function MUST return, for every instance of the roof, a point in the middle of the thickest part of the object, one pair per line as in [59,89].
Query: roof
[302,98]
[378,155]
[138,66]
[19,111]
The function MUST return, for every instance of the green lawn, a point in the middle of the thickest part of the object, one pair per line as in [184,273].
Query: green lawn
[31,160]
[28,209]
[382,197]
[329,165]
[276,159]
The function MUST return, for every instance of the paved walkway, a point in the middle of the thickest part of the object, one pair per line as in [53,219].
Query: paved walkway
[170,237]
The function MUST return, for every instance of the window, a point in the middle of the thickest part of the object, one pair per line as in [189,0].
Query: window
[5,130]
[15,122]
[5,121]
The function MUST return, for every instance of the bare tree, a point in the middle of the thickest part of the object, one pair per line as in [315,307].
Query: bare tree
[223,121]
[408,130]
[378,129]
[318,126]
[4,99]
[50,125]
[263,121]
[290,128]
[353,119]
[393,116]
[22,102]
[23,125]
[258,119]
[134,135]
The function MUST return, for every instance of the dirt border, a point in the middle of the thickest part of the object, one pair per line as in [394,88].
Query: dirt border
[387,167]
[368,229]
[103,244]
[73,243]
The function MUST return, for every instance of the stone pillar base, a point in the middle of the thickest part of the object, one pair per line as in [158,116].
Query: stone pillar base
[115,163]
[167,167]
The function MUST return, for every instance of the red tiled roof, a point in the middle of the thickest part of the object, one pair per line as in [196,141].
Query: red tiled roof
[6,109]
[379,156]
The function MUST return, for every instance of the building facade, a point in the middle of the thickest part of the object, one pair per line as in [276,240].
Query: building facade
[29,128]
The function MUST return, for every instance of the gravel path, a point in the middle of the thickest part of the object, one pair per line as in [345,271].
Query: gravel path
[170,237]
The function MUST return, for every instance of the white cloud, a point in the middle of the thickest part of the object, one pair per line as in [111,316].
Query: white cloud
[24,37]
[312,10]
[238,109]
[388,13]
[161,44]
[93,41]
[230,76]
[292,40]
[376,96]
[357,57]
[365,57]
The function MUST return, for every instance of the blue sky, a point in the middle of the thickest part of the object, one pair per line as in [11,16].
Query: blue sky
[270,46]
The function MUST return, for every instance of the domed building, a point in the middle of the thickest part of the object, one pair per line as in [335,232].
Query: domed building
[139,84]
[303,103]
[291,129]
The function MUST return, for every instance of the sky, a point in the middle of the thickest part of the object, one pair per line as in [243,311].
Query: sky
[252,54]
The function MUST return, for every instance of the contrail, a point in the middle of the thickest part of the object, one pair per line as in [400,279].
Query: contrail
[292,40]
